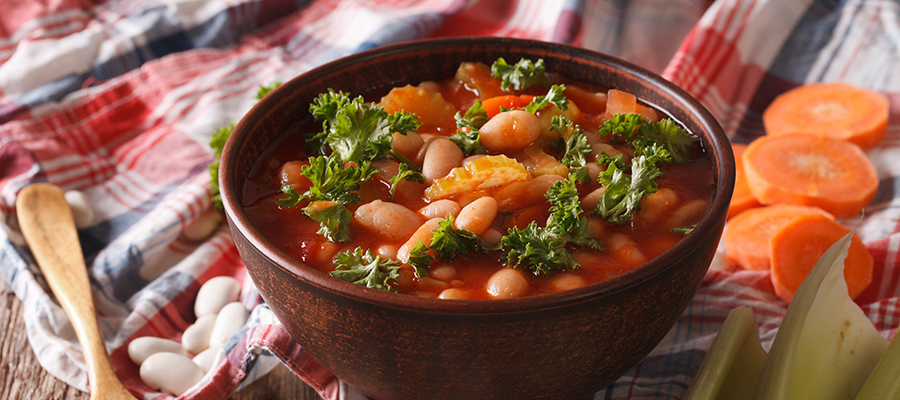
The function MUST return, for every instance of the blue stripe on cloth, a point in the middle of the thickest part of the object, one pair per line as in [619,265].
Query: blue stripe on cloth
[792,65]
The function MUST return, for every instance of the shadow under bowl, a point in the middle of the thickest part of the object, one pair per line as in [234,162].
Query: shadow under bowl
[564,345]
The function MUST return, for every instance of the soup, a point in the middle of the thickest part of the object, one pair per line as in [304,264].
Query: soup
[501,181]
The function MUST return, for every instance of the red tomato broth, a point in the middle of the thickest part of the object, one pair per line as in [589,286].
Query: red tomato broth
[294,233]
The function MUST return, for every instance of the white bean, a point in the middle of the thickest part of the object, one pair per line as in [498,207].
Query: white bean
[510,130]
[440,209]
[229,320]
[443,272]
[478,215]
[215,294]
[82,212]
[454,293]
[389,220]
[408,145]
[207,358]
[196,337]
[170,372]
[145,346]
[565,280]
[492,236]
[440,158]
[507,283]
[424,234]
[387,250]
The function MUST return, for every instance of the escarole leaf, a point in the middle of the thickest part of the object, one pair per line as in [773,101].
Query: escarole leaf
[734,362]
[826,346]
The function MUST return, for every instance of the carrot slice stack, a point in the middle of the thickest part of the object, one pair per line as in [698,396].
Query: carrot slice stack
[810,170]
[747,239]
[797,247]
[742,199]
[836,110]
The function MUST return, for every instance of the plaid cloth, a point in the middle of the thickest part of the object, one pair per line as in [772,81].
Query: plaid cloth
[118,99]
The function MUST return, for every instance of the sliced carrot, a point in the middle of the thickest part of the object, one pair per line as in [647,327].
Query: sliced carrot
[494,105]
[748,234]
[797,247]
[619,102]
[836,110]
[810,170]
[742,199]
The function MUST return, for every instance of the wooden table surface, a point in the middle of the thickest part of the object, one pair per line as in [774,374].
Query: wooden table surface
[22,377]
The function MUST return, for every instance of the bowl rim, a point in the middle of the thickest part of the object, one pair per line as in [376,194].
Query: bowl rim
[719,150]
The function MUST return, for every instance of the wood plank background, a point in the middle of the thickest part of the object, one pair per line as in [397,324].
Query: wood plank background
[22,377]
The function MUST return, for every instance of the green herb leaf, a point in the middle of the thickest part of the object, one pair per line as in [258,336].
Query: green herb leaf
[537,249]
[335,180]
[266,89]
[683,231]
[520,76]
[467,126]
[555,96]
[623,192]
[333,219]
[217,143]
[419,259]
[404,173]
[576,147]
[364,268]
[631,128]
[448,242]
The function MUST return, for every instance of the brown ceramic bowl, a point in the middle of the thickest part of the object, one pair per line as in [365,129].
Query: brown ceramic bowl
[564,345]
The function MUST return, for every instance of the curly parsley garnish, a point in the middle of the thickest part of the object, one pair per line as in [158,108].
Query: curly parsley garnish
[575,147]
[404,173]
[333,219]
[364,268]
[623,191]
[467,126]
[545,250]
[554,96]
[521,75]
[447,243]
[217,144]
[640,133]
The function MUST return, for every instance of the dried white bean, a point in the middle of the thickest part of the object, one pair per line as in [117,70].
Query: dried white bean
[170,372]
[206,358]
[215,294]
[196,337]
[143,347]
[82,212]
[229,320]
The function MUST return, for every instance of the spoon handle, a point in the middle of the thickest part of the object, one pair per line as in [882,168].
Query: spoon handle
[47,224]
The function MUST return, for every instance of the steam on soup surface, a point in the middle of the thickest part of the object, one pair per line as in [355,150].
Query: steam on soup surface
[501,181]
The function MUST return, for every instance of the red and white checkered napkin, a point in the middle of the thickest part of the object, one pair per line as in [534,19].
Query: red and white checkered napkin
[119,99]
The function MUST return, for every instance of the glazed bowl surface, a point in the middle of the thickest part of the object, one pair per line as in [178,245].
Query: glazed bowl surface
[565,345]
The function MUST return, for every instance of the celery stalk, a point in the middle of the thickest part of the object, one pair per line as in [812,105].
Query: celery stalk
[733,363]
[884,381]
[826,346]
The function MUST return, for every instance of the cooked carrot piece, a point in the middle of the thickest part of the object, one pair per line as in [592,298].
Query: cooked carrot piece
[797,247]
[587,101]
[494,105]
[748,234]
[619,102]
[433,111]
[742,199]
[836,110]
[810,170]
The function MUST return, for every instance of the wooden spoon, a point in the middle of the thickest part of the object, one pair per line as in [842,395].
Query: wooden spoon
[46,222]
